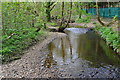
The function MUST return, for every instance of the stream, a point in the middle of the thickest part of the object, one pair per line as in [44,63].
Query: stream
[83,54]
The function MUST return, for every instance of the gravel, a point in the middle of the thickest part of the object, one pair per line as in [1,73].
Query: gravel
[30,65]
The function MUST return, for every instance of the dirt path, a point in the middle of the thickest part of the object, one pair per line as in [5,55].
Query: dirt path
[31,64]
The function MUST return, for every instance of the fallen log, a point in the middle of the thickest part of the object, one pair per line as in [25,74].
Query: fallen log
[51,28]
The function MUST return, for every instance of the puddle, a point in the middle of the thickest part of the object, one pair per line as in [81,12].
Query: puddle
[83,52]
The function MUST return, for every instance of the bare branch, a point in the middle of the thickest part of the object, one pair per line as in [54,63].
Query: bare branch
[52,7]
[52,3]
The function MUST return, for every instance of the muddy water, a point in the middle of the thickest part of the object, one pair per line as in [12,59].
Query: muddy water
[83,54]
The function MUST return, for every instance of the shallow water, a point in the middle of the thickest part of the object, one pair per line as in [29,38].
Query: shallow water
[83,54]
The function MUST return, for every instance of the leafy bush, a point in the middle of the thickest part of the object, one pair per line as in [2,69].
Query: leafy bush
[110,36]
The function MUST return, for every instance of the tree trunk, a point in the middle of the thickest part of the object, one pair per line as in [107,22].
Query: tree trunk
[49,6]
[78,9]
[62,28]
[98,16]
[62,14]
[69,15]
[80,14]
[108,8]
[48,12]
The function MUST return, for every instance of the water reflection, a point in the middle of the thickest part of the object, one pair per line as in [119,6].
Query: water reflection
[81,48]
[49,60]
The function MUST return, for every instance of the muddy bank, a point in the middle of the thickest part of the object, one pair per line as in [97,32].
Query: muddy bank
[30,65]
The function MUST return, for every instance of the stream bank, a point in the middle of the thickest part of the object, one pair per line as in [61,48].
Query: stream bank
[40,61]
[30,64]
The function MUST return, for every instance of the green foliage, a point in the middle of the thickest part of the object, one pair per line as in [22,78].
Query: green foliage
[17,42]
[20,21]
[83,20]
[52,23]
[38,25]
[110,36]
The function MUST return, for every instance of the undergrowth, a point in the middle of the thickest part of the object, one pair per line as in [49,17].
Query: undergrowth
[20,25]
[111,37]
[12,47]
[83,20]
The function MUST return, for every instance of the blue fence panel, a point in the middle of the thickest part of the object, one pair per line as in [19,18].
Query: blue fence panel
[94,11]
[119,13]
[106,12]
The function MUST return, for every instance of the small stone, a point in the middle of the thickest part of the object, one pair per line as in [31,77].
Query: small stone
[82,71]
[70,75]
[80,74]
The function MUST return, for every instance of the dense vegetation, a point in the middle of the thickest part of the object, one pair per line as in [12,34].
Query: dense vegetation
[110,36]
[19,28]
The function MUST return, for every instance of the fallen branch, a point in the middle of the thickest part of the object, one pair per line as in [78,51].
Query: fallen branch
[38,30]
[11,35]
